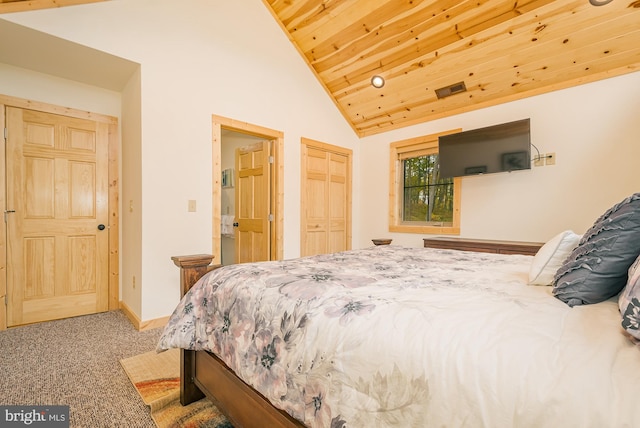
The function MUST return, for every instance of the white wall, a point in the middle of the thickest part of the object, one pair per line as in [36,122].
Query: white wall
[593,129]
[230,58]
[197,58]
[131,195]
[31,85]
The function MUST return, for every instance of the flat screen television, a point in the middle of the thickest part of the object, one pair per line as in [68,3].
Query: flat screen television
[498,148]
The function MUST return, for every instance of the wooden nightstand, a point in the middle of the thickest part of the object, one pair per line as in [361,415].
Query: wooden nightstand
[484,245]
[381,241]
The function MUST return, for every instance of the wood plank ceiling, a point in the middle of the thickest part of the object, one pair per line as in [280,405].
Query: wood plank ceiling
[501,50]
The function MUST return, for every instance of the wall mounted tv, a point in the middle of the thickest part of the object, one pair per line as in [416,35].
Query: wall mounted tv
[498,148]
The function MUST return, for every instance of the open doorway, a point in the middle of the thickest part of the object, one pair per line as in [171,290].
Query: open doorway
[230,137]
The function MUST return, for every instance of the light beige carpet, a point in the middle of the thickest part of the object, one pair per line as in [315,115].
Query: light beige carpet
[156,377]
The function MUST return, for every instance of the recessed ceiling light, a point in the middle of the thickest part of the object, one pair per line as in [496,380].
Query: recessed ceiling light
[599,2]
[377,81]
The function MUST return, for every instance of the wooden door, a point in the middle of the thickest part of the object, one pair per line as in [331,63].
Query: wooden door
[57,198]
[326,199]
[252,207]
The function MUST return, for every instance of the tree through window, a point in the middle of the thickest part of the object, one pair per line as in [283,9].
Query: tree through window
[421,201]
[427,197]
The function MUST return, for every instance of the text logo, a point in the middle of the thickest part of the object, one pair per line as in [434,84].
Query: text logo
[34,416]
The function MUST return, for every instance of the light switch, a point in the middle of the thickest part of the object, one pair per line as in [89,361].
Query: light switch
[192,205]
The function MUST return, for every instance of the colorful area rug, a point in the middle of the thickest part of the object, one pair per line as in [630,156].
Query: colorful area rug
[156,377]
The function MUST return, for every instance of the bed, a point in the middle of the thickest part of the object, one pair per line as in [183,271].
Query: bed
[395,336]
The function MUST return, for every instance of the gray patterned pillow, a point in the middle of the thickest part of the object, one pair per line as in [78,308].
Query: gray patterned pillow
[629,302]
[596,269]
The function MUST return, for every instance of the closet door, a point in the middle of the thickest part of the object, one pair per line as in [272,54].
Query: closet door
[57,201]
[325,198]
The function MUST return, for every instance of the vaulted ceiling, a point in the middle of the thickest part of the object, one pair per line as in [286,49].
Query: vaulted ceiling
[501,50]
[479,53]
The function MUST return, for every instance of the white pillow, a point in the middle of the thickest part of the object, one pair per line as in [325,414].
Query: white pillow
[629,303]
[551,256]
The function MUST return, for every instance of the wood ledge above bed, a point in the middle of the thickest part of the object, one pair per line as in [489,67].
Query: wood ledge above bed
[484,245]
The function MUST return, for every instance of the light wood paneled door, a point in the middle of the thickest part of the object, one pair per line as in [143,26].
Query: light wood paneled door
[252,232]
[57,198]
[326,198]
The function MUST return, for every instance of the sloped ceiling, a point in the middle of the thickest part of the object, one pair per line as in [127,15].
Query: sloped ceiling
[486,52]
[34,50]
[501,50]
[44,53]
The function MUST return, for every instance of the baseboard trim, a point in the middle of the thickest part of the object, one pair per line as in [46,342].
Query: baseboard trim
[154,323]
[142,325]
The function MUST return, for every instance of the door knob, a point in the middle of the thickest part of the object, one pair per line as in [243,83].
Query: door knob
[235,224]
[101,227]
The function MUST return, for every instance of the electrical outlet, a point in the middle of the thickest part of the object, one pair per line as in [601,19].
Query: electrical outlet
[550,158]
[538,160]
[133,282]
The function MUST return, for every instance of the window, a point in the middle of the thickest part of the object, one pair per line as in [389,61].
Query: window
[421,201]
[426,196]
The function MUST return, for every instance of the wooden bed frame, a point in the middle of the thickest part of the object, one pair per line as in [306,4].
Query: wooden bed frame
[203,374]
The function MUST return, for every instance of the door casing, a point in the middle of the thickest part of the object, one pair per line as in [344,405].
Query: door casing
[276,184]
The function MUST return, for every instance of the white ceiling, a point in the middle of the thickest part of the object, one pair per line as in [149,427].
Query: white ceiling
[37,51]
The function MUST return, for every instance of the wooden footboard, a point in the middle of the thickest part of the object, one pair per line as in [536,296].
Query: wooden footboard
[203,374]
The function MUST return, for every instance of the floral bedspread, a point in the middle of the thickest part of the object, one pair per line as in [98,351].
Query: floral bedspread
[394,336]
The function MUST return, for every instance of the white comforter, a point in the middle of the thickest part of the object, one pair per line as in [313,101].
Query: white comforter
[412,337]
